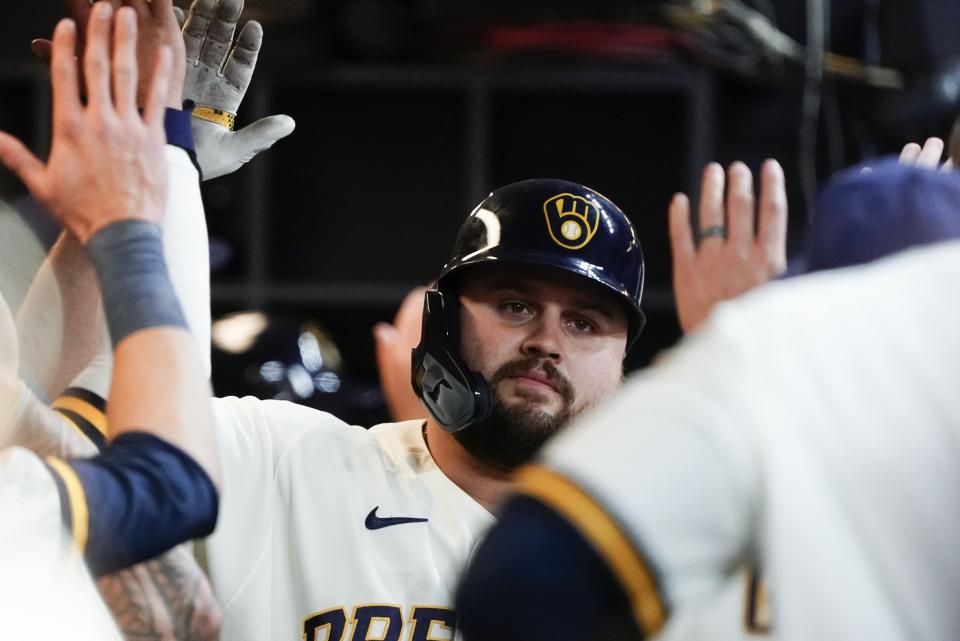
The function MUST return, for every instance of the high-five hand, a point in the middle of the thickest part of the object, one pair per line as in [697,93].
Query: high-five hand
[156,26]
[727,257]
[219,72]
[106,163]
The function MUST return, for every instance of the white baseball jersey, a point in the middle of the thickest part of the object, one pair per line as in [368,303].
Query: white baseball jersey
[45,590]
[813,426]
[334,532]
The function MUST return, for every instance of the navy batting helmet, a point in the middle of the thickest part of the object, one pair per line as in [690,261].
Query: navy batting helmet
[551,223]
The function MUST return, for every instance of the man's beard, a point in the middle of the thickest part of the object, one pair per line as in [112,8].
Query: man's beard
[514,433]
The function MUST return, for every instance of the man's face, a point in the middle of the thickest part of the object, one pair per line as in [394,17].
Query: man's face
[549,343]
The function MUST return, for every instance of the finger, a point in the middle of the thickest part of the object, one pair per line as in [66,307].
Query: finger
[220,34]
[142,7]
[79,10]
[125,62]
[948,165]
[740,205]
[180,15]
[155,107]
[63,75]
[681,233]
[384,337]
[162,8]
[97,56]
[24,165]
[264,133]
[931,153]
[243,59]
[42,49]
[195,28]
[711,197]
[772,228]
[910,153]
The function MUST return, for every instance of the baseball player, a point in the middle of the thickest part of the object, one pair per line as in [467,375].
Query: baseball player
[169,597]
[826,458]
[154,485]
[332,531]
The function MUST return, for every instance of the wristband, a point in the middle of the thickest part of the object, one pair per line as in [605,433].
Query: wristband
[137,292]
[223,118]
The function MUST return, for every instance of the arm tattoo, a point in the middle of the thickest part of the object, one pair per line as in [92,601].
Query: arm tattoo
[166,599]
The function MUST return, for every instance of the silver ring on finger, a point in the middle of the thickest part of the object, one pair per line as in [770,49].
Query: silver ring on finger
[716,231]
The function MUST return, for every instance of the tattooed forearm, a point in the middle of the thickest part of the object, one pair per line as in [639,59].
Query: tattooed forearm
[167,599]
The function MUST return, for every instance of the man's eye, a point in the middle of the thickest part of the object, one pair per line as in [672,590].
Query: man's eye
[514,307]
[582,325]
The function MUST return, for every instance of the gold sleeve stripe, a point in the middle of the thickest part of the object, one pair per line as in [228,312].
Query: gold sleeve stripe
[606,537]
[85,410]
[79,516]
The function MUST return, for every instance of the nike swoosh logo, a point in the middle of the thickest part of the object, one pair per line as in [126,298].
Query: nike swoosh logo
[374,522]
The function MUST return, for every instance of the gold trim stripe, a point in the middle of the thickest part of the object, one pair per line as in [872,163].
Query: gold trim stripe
[223,118]
[603,533]
[86,411]
[79,515]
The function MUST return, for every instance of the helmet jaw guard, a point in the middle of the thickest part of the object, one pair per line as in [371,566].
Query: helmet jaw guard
[456,397]
[550,223]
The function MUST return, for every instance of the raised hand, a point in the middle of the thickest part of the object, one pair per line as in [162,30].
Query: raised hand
[157,26]
[393,351]
[727,257]
[927,156]
[219,72]
[106,163]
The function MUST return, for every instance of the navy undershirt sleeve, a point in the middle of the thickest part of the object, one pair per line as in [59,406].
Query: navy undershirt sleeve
[176,124]
[144,496]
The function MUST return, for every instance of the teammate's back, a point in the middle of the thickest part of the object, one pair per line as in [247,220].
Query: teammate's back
[813,427]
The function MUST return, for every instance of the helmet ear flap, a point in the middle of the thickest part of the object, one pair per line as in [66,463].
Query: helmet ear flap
[456,396]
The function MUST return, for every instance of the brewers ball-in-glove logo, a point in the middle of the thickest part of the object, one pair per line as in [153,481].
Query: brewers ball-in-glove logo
[571,220]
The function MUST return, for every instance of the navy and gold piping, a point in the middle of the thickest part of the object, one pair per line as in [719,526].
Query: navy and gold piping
[85,412]
[73,501]
[606,537]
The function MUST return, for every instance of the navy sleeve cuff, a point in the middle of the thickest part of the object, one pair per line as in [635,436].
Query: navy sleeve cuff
[143,497]
[534,557]
[176,123]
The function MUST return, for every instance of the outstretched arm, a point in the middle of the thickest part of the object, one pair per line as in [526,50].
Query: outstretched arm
[168,598]
[156,483]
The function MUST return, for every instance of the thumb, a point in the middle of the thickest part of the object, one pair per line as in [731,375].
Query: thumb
[42,49]
[263,133]
[18,159]
[384,335]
